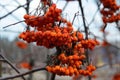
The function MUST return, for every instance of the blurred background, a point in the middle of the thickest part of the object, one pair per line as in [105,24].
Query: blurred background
[106,56]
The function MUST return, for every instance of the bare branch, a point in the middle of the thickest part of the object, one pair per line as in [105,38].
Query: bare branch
[23,74]
[7,61]
[15,17]
[76,14]
[13,24]
[13,10]
[2,60]
[86,32]
[65,6]
[83,17]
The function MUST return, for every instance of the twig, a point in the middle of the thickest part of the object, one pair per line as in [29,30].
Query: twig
[15,17]
[23,74]
[2,60]
[16,23]
[13,10]
[6,30]
[65,6]
[27,6]
[76,14]
[10,12]
[86,32]
[83,17]
[7,61]
[13,24]
[85,28]
[27,10]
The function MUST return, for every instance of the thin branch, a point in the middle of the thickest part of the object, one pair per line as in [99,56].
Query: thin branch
[13,24]
[15,17]
[83,17]
[6,30]
[23,74]
[7,61]
[76,14]
[27,6]
[16,23]
[86,32]
[2,60]
[13,10]
[27,10]
[10,12]
[85,27]
[65,6]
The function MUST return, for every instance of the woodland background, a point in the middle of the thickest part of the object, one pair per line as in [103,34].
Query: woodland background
[106,58]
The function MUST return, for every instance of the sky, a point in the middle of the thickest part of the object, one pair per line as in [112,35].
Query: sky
[89,7]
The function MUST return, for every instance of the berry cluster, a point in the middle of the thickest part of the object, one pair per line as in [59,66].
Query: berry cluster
[45,21]
[69,71]
[51,30]
[109,11]
[71,65]
[47,38]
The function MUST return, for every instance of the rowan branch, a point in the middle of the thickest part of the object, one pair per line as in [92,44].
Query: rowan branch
[23,74]
[13,24]
[8,62]
[14,10]
[86,32]
[15,17]
[85,27]
[76,14]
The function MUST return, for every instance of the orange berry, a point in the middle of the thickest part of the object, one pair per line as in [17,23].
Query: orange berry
[26,16]
[57,67]
[67,72]
[69,24]
[48,68]
[82,57]
[75,57]
[70,57]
